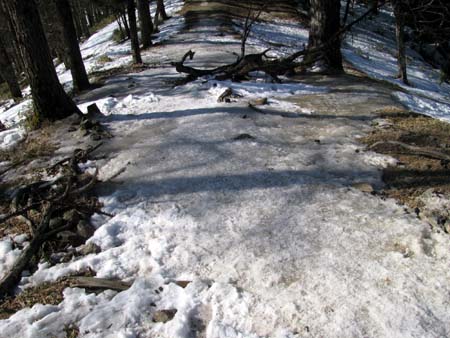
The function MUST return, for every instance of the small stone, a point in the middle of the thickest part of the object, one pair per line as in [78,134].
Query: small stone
[90,248]
[70,237]
[259,102]
[71,216]
[56,223]
[95,137]
[163,316]
[446,227]
[241,137]
[182,283]
[364,187]
[84,229]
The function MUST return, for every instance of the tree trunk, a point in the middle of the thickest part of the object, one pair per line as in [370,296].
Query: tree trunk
[49,98]
[400,36]
[160,14]
[83,21]
[8,74]
[325,23]
[145,21]
[72,49]
[131,9]
[161,10]
[125,24]
[374,4]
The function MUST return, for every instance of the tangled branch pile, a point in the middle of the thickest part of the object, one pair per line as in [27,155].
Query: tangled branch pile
[56,213]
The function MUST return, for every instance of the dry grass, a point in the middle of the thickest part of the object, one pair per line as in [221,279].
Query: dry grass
[414,174]
[37,144]
[46,294]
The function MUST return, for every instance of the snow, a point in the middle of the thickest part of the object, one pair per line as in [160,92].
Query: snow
[270,232]
[8,255]
[371,48]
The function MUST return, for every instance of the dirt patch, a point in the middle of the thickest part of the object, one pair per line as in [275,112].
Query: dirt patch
[415,173]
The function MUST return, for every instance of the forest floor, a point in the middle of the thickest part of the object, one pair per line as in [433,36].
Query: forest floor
[265,216]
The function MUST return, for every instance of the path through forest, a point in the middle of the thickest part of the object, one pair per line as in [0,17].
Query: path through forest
[260,209]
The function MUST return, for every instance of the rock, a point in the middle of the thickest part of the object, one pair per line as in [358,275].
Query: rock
[71,238]
[84,229]
[241,137]
[364,187]
[182,283]
[56,223]
[446,227]
[90,248]
[225,95]
[163,316]
[259,102]
[71,216]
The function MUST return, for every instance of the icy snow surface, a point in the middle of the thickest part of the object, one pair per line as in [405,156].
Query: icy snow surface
[269,231]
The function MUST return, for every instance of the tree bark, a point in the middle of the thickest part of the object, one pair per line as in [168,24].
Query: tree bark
[125,24]
[7,72]
[161,10]
[399,14]
[160,14]
[72,49]
[325,23]
[49,98]
[145,21]
[131,9]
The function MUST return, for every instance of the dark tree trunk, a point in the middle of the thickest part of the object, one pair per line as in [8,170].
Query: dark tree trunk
[83,20]
[325,23]
[125,25]
[8,74]
[131,9]
[49,98]
[72,49]
[374,4]
[161,10]
[145,21]
[399,14]
[76,21]
[160,14]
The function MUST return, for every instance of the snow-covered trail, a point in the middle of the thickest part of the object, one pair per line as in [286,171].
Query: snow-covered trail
[255,208]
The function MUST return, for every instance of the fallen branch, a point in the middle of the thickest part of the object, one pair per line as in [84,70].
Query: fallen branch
[245,64]
[10,280]
[416,150]
[98,283]
[56,203]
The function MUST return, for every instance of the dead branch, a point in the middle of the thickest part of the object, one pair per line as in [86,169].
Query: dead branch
[415,150]
[10,280]
[98,283]
[55,201]
[245,64]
